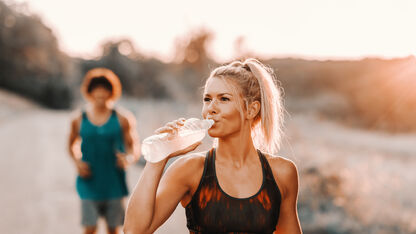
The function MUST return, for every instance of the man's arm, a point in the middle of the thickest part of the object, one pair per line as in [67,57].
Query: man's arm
[130,136]
[75,150]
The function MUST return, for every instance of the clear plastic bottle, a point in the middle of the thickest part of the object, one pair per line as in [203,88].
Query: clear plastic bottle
[157,147]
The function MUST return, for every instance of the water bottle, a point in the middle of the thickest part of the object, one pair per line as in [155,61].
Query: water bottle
[157,147]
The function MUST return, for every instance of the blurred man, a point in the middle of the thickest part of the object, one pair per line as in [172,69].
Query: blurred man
[103,141]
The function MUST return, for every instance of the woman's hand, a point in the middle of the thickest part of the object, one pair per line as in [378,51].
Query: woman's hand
[83,168]
[186,150]
[172,129]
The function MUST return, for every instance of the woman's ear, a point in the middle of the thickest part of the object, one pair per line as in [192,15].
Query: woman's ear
[253,109]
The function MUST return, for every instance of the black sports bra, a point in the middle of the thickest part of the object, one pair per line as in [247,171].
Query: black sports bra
[211,210]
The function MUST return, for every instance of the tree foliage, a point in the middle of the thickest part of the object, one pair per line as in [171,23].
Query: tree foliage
[30,60]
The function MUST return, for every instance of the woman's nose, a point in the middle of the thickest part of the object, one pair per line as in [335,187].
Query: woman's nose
[212,107]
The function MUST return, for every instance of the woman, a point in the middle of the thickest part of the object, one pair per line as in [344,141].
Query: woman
[239,186]
[104,133]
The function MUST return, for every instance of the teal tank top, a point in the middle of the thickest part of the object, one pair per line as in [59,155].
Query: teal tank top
[99,146]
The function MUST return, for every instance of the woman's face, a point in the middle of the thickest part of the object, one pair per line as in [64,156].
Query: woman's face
[221,104]
[100,96]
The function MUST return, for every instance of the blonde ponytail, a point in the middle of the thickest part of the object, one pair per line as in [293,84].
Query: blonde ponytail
[257,83]
[267,133]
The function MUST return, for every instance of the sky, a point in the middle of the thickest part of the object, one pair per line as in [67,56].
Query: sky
[314,29]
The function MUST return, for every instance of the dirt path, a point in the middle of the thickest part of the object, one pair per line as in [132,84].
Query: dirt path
[37,176]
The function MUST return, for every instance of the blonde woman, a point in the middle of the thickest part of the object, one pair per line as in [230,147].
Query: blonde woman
[240,185]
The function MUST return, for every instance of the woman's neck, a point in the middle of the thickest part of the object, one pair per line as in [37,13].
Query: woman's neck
[237,148]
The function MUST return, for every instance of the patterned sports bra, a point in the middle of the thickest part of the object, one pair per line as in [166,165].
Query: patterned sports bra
[211,210]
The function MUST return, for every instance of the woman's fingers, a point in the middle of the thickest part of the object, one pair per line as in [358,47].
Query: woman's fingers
[171,127]
[176,123]
[164,130]
[186,150]
[181,121]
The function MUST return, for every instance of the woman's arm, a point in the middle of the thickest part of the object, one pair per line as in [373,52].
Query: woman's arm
[287,174]
[152,202]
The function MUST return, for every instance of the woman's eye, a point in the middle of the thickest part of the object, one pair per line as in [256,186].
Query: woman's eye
[225,99]
[207,99]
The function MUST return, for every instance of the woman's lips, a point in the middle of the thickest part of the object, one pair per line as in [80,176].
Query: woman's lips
[215,122]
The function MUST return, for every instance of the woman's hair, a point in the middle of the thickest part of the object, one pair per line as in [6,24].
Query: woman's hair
[256,82]
[101,77]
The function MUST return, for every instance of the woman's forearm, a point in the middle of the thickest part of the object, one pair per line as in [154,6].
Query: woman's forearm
[141,206]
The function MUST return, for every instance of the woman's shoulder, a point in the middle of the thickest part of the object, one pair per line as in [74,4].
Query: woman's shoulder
[281,164]
[284,170]
[190,162]
[189,167]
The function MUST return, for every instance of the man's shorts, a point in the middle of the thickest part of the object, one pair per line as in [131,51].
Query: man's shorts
[111,210]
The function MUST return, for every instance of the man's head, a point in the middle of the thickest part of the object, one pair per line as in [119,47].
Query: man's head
[101,86]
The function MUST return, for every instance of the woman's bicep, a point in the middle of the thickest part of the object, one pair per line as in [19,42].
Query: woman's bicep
[288,217]
[174,185]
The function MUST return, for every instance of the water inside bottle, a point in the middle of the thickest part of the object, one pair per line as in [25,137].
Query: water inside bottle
[157,147]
